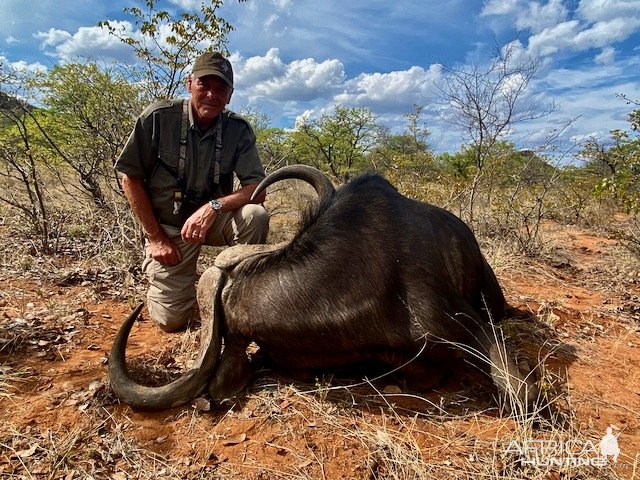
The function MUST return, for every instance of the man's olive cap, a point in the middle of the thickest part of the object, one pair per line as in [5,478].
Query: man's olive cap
[213,63]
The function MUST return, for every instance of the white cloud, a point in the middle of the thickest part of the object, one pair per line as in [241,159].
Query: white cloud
[589,96]
[571,36]
[86,42]
[188,5]
[393,91]
[500,7]
[271,21]
[606,32]
[527,15]
[513,84]
[282,4]
[11,40]
[22,66]
[606,57]
[388,95]
[53,37]
[595,23]
[537,16]
[553,39]
[258,69]
[316,87]
[603,10]
[301,80]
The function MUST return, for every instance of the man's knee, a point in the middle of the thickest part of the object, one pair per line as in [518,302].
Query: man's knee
[171,295]
[252,224]
[170,316]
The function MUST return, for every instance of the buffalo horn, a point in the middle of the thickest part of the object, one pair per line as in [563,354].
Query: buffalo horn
[181,390]
[316,178]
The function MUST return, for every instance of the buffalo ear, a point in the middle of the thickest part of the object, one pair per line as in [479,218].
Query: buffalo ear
[207,288]
[229,258]
[209,297]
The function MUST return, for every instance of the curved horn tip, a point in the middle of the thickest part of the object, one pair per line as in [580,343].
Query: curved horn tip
[311,175]
[176,393]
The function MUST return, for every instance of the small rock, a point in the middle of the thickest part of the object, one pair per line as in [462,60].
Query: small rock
[392,390]
[201,404]
[235,440]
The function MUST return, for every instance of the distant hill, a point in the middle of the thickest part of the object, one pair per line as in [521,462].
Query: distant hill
[9,103]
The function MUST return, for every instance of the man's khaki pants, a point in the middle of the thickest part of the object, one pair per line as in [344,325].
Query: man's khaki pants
[172,293]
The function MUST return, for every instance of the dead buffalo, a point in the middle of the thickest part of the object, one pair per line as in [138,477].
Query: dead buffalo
[371,276]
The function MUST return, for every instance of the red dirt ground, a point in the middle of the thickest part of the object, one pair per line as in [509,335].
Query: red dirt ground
[59,419]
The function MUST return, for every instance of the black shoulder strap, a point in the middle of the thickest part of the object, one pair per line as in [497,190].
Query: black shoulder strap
[218,154]
[183,140]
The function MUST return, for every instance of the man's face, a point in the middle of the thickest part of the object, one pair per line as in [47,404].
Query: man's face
[209,97]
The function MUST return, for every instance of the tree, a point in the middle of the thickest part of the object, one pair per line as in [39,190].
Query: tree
[634,116]
[486,101]
[459,165]
[617,167]
[407,151]
[90,112]
[21,167]
[337,143]
[274,144]
[168,44]
[405,158]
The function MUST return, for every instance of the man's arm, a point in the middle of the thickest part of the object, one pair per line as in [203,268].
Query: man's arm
[197,225]
[162,247]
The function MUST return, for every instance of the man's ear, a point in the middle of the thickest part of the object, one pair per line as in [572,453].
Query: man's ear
[188,82]
[229,98]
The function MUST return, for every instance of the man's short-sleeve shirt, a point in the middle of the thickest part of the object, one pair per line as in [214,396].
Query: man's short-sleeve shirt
[152,153]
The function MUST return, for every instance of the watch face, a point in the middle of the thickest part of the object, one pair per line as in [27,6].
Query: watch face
[216,205]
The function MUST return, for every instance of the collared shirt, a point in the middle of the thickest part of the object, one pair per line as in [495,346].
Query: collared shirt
[153,154]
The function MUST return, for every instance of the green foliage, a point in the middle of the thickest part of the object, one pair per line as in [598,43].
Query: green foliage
[274,144]
[90,113]
[166,56]
[337,144]
[407,152]
[21,171]
[617,167]
[634,119]
[275,147]
[57,160]
[459,165]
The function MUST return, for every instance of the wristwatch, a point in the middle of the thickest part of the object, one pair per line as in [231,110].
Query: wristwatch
[216,205]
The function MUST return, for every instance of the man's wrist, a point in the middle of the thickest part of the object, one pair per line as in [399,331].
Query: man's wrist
[216,205]
[157,235]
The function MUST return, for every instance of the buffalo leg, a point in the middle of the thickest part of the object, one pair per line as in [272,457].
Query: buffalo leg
[516,383]
[232,375]
[417,373]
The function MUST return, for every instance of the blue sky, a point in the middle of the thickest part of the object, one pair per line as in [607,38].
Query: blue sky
[303,57]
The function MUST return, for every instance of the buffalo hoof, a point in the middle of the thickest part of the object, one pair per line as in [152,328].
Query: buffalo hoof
[517,386]
[232,376]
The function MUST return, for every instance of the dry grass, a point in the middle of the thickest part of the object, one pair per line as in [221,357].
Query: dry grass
[327,429]
[393,436]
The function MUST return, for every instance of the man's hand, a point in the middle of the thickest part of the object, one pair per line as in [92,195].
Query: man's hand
[163,249]
[197,225]
[166,252]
